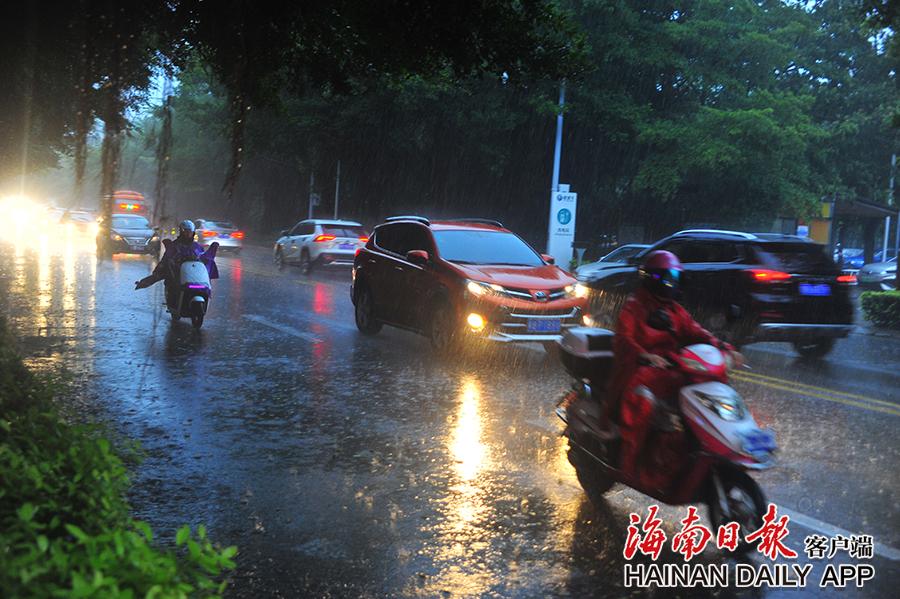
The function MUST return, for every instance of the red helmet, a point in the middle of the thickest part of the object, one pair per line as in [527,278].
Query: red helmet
[661,273]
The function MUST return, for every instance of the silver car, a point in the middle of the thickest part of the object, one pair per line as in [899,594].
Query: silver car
[319,243]
[227,234]
[617,257]
[878,275]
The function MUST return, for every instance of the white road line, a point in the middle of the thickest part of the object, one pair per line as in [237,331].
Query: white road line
[830,530]
[282,328]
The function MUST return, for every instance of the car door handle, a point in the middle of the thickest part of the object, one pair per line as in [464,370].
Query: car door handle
[400,268]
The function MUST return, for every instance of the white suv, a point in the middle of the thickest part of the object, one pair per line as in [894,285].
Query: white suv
[318,243]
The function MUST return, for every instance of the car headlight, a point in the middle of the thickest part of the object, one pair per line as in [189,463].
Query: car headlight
[116,237]
[728,407]
[579,290]
[479,289]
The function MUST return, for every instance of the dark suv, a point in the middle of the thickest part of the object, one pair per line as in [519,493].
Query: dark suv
[462,278]
[746,288]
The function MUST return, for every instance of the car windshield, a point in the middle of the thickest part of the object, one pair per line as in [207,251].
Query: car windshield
[797,257]
[344,231]
[622,254]
[218,224]
[485,247]
[130,222]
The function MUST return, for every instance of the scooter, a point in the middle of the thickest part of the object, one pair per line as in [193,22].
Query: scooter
[723,438]
[191,298]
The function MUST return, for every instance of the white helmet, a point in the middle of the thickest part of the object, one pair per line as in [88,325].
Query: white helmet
[186,226]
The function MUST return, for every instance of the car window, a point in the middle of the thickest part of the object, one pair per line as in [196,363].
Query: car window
[796,257]
[485,247]
[704,252]
[386,238]
[130,222]
[219,224]
[622,254]
[343,231]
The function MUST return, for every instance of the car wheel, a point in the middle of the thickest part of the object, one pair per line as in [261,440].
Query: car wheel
[306,265]
[443,328]
[364,313]
[815,348]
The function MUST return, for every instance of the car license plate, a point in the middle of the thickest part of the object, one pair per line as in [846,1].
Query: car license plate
[815,289]
[136,246]
[544,325]
[346,246]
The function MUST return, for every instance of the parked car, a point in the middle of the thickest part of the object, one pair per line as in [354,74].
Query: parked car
[880,276]
[133,234]
[229,237]
[462,278]
[319,243]
[746,288]
[617,256]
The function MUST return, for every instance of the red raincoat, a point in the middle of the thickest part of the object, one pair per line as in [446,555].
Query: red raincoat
[632,382]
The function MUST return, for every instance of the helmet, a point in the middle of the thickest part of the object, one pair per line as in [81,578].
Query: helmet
[661,273]
[186,226]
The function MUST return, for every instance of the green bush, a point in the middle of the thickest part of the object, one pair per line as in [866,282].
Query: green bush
[65,526]
[882,308]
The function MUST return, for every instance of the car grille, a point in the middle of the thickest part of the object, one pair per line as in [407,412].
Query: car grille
[552,294]
[136,241]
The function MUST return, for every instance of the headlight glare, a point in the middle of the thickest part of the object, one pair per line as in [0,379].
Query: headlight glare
[728,407]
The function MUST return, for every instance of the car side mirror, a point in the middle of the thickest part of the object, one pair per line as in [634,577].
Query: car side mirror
[548,258]
[417,257]
[284,232]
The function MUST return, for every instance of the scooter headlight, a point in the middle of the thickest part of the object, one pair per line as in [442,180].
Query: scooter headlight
[728,407]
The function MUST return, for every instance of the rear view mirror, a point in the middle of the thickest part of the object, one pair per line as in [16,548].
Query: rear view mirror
[548,258]
[417,257]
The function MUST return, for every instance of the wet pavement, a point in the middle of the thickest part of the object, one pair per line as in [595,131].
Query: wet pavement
[344,465]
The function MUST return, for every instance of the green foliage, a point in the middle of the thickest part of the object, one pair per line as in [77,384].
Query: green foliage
[882,308]
[65,528]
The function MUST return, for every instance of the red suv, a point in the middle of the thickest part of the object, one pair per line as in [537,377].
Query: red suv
[462,278]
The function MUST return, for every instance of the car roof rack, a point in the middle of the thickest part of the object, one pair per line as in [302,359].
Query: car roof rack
[738,234]
[412,217]
[482,221]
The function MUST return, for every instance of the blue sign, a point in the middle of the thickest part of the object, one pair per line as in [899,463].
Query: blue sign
[564,216]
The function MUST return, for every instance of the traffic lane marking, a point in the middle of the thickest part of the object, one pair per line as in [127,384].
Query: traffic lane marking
[819,389]
[288,330]
[816,395]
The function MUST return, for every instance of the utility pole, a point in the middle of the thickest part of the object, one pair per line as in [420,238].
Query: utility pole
[337,189]
[557,150]
[312,183]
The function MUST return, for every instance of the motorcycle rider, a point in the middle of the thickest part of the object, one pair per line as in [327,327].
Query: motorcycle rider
[182,248]
[652,324]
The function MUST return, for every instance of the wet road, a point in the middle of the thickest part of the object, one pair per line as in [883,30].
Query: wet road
[343,465]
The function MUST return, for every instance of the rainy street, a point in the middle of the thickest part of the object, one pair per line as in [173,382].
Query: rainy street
[345,465]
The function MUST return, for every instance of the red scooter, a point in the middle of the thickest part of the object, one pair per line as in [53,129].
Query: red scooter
[724,440]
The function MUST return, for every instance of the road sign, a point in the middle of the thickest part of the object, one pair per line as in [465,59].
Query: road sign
[561,231]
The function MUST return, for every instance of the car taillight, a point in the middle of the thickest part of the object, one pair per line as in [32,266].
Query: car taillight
[356,253]
[209,233]
[847,279]
[363,239]
[320,238]
[238,234]
[762,275]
